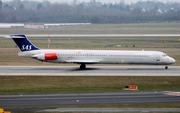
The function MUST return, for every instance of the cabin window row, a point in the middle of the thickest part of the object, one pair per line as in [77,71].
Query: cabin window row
[80,55]
[129,55]
[104,55]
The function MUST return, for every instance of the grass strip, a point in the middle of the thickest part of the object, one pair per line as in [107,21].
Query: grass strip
[169,105]
[53,84]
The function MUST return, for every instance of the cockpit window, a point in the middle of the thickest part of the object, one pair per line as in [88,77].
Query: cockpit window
[164,55]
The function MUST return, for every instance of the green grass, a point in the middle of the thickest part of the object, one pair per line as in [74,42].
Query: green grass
[33,85]
[171,105]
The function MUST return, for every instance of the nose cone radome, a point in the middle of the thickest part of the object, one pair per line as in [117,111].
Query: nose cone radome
[172,60]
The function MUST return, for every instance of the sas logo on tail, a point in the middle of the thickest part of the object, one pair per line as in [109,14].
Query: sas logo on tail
[26,47]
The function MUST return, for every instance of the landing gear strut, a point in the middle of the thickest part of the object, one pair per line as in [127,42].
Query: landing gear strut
[83,66]
[166,67]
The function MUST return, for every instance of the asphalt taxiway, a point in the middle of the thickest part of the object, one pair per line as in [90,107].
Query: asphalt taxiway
[99,110]
[76,99]
[89,71]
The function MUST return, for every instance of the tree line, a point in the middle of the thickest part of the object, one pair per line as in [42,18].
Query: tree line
[64,13]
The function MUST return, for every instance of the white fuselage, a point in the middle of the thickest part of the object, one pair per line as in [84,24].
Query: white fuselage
[104,56]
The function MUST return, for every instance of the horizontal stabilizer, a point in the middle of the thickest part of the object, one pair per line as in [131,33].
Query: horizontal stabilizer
[16,36]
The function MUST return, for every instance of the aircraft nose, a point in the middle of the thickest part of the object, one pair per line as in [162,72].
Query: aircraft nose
[172,60]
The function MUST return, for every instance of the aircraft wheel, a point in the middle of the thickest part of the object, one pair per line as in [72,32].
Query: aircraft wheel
[83,66]
[166,67]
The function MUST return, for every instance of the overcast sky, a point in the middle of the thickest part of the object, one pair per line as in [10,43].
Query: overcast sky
[103,1]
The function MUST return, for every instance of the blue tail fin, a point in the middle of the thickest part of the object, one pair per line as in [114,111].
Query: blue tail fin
[23,43]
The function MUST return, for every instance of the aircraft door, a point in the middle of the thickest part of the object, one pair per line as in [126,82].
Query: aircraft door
[157,58]
[58,56]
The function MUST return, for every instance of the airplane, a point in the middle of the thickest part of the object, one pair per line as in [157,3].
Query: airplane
[84,57]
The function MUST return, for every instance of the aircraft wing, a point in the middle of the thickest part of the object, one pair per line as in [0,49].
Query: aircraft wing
[82,61]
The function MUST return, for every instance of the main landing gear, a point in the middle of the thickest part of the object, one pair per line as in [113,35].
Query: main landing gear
[166,67]
[83,66]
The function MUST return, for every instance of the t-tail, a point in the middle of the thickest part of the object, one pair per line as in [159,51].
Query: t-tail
[23,43]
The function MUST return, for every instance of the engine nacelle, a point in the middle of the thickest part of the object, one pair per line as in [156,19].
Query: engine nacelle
[46,56]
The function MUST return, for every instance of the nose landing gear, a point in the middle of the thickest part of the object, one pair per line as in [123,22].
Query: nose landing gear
[166,67]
